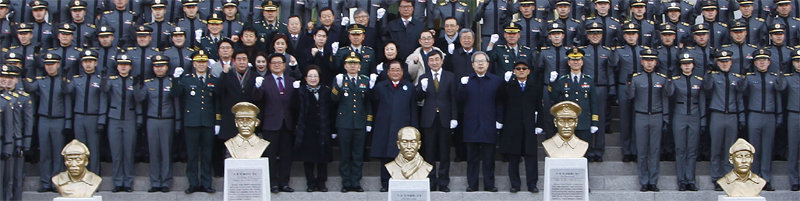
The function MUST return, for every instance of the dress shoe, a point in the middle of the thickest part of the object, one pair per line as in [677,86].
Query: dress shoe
[344,190]
[190,190]
[717,187]
[358,189]
[153,189]
[311,189]
[514,190]
[470,189]
[322,188]
[682,187]
[691,187]
[287,189]
[654,188]
[627,158]
[492,189]
[768,187]
[434,188]
[128,189]
[795,187]
[117,189]
[384,189]
[644,188]
[274,189]
[533,190]
[209,190]
[444,189]
[165,189]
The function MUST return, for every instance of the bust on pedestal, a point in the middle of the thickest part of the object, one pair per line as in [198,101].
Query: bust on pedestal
[566,174]
[246,173]
[565,144]
[741,184]
[408,170]
[76,183]
[246,145]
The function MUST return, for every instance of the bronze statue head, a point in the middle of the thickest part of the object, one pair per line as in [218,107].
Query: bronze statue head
[566,118]
[76,158]
[409,142]
[246,118]
[741,156]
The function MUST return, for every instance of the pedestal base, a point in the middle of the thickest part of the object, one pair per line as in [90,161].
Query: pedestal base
[93,198]
[566,179]
[409,190]
[726,198]
[246,180]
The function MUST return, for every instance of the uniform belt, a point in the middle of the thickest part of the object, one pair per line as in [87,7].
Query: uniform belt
[723,112]
[648,112]
[80,113]
[792,111]
[165,118]
[681,102]
[53,117]
[761,112]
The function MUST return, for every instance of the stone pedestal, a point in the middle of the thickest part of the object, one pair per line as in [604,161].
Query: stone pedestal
[726,198]
[246,180]
[566,179]
[93,198]
[409,190]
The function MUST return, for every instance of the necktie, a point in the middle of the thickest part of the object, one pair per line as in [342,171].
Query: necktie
[353,80]
[280,85]
[203,79]
[522,85]
[436,81]
[575,79]
[405,23]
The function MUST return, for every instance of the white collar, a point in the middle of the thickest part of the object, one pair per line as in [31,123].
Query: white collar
[437,72]
[276,76]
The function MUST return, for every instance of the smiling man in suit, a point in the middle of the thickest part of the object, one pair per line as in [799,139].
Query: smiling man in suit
[437,91]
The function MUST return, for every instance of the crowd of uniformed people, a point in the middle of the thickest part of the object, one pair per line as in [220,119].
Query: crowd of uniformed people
[154,80]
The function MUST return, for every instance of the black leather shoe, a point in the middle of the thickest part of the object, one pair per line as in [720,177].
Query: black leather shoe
[165,189]
[717,187]
[768,187]
[627,158]
[311,189]
[323,188]
[470,189]
[117,189]
[274,189]
[444,189]
[492,189]
[644,188]
[128,189]
[209,190]
[533,190]
[153,189]
[190,190]
[795,187]
[287,189]
[344,190]
[514,190]
[682,187]
[691,187]
[384,189]
[653,188]
[358,189]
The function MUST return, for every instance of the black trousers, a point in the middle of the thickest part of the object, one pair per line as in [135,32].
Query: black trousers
[199,141]
[436,146]
[480,156]
[279,152]
[531,170]
[385,176]
[318,178]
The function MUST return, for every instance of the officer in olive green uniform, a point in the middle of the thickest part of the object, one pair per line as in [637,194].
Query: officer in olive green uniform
[265,28]
[354,113]
[503,57]
[367,54]
[578,87]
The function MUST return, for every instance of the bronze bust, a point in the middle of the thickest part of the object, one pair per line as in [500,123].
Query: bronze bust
[741,182]
[409,163]
[246,145]
[565,144]
[76,182]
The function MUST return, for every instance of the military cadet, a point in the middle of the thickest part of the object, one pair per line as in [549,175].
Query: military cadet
[492,14]
[353,116]
[554,58]
[141,54]
[231,21]
[578,87]
[85,91]
[764,111]
[596,62]
[649,98]
[83,23]
[10,132]
[122,21]
[69,52]
[42,28]
[682,28]
[641,16]
[161,109]
[211,41]
[107,50]
[456,9]
[179,53]
[209,7]
[55,118]
[689,102]
[202,119]
[192,23]
[270,25]
[756,26]
[792,95]
[627,61]
[250,11]
[356,33]
[611,25]
[22,141]
[572,26]
[779,48]
[718,29]
[25,50]
[791,24]
[533,29]
[119,118]
[741,50]
[701,49]
[668,51]
[652,10]
[504,57]
[5,24]
[160,24]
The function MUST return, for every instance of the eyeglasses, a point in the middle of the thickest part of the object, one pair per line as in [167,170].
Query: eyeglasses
[480,61]
[521,68]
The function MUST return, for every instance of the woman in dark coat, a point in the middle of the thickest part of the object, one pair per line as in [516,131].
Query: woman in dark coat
[313,133]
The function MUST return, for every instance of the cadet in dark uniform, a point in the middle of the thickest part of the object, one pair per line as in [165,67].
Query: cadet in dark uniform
[689,119]
[69,53]
[596,59]
[122,20]
[674,17]
[160,24]
[192,23]
[782,15]
[142,53]
[354,114]
[792,94]
[627,61]
[764,111]
[741,50]
[179,53]
[493,14]
[85,91]
[232,23]
[535,31]
[10,131]
[107,50]
[25,50]
[649,98]
[668,51]
[161,109]
[83,21]
[641,15]
[578,87]
[119,117]
[572,25]
[201,120]
[22,142]
[42,29]
[504,57]
[779,48]
[209,7]
[55,118]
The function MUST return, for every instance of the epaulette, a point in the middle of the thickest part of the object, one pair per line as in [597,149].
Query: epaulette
[698,78]
[76,76]
[676,77]
[463,4]
[651,22]
[576,20]
[615,19]
[591,18]
[713,72]
[132,13]
[6,97]
[690,47]
[726,45]
[206,22]
[364,76]
[774,73]
[737,75]
[723,24]
[760,19]
[685,24]
[753,46]
[581,47]
[635,74]
[545,47]
[78,48]
[168,48]
[5,49]
[92,25]
[608,48]
[787,74]
[15,94]
[155,48]
[662,75]
[587,76]
[113,77]
[525,47]
[751,73]
[107,12]
[346,48]
[619,47]
[367,47]
[148,80]
[40,77]
[796,18]
[131,48]
[52,48]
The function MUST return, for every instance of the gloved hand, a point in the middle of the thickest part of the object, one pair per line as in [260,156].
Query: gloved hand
[345,21]
[498,125]
[424,84]
[451,47]
[334,47]
[372,78]
[593,129]
[5,156]
[508,75]
[381,12]
[553,76]
[379,68]
[101,128]
[339,79]
[538,131]
[494,38]
[464,80]
[369,128]
[198,35]
[178,72]
[296,84]
[333,136]
[216,129]
[453,124]
[259,81]
[18,152]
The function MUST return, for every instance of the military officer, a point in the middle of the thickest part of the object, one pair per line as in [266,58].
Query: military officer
[596,62]
[741,50]
[107,50]
[779,48]
[756,26]
[534,28]
[689,102]
[649,98]
[160,24]
[202,119]
[179,53]
[230,21]
[85,90]
[82,21]
[55,118]
[792,95]
[356,33]
[493,14]
[353,116]
[611,25]
[553,58]
[641,15]
[119,117]
[192,23]
[764,111]
[668,50]
[141,54]
[211,41]
[161,109]
[25,50]
[505,56]
[572,25]
[578,87]
[66,50]
[122,21]
[456,9]
[627,61]
[701,50]
[718,29]
[270,24]
[22,141]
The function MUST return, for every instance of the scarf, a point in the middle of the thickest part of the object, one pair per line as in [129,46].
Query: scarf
[407,167]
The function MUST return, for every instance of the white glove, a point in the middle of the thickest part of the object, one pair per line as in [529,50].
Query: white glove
[296,84]
[453,124]
[345,21]
[451,47]
[593,129]
[339,78]
[369,128]
[464,80]
[259,81]
[198,35]
[216,129]
[372,78]
[334,47]
[333,136]
[178,72]
[379,68]
[493,39]
[553,76]
[538,131]
[498,125]
[508,75]
[424,83]
[381,12]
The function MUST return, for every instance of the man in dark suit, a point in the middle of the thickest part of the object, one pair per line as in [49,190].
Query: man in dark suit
[236,86]
[437,90]
[404,30]
[277,101]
